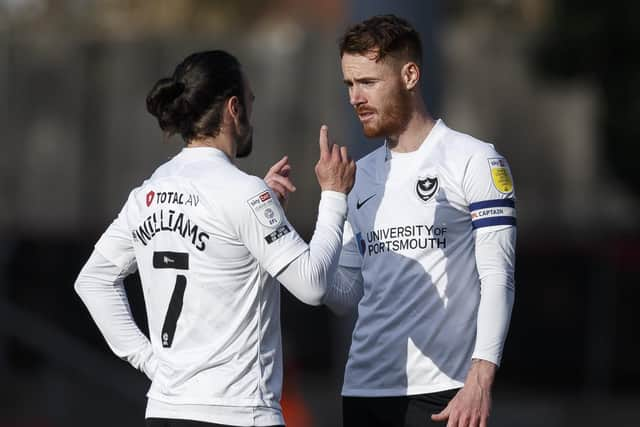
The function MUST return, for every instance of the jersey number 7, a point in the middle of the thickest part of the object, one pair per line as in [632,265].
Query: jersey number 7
[178,261]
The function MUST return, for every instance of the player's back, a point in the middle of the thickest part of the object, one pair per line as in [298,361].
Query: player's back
[213,312]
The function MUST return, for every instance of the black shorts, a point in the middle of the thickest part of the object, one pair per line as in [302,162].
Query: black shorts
[165,422]
[395,411]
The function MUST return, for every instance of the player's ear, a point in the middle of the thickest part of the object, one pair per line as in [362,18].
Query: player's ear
[231,112]
[233,105]
[410,75]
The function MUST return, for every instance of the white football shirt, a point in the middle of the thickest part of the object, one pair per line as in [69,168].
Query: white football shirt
[206,237]
[411,228]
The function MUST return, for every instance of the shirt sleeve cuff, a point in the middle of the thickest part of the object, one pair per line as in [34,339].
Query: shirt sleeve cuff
[333,207]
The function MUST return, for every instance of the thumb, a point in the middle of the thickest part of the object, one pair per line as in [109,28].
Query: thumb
[442,416]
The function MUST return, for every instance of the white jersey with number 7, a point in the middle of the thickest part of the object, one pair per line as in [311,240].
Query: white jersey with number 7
[205,238]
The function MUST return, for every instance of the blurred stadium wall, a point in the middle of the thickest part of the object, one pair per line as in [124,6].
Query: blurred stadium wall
[550,83]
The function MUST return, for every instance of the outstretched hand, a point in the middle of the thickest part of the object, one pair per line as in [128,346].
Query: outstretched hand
[335,170]
[277,178]
[470,407]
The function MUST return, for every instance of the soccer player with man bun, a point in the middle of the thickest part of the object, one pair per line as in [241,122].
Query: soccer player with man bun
[429,248]
[207,240]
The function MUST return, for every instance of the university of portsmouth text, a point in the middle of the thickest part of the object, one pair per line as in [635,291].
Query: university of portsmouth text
[395,239]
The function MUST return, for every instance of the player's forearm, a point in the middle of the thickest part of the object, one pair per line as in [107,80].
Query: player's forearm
[495,258]
[306,277]
[100,287]
[482,373]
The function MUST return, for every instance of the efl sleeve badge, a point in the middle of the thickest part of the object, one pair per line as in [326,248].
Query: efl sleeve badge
[265,209]
[501,175]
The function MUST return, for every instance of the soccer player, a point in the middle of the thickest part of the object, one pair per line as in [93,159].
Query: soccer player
[428,252]
[207,240]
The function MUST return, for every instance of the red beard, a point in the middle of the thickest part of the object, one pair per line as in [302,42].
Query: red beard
[391,119]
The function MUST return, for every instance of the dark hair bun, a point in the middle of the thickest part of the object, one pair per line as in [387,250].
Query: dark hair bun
[191,102]
[167,105]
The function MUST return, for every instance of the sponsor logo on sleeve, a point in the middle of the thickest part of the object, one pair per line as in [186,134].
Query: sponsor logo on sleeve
[265,196]
[501,175]
[265,209]
[150,195]
[278,233]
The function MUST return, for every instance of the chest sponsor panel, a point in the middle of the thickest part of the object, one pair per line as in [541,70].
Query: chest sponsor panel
[408,224]
[422,213]
[402,238]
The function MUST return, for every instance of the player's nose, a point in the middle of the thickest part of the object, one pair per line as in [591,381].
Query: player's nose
[356,97]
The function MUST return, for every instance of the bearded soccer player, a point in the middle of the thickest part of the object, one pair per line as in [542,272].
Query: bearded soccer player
[428,249]
[207,240]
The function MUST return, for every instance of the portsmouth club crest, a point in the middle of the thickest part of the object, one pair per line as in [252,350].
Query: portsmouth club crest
[426,188]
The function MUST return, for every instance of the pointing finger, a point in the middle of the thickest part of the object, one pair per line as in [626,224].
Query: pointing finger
[324,142]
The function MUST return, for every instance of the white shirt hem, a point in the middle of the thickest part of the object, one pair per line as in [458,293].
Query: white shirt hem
[423,389]
[218,414]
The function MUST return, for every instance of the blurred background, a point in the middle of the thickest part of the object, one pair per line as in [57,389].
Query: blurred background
[555,85]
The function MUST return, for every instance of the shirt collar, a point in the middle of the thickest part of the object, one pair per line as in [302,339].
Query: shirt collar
[189,153]
[427,145]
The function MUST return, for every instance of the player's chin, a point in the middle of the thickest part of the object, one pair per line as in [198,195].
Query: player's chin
[371,131]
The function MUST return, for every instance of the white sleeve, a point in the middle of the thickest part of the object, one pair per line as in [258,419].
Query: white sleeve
[306,277]
[116,243]
[345,290]
[346,286]
[489,190]
[258,221]
[100,286]
[495,259]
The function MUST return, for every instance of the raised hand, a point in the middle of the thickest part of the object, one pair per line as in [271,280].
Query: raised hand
[335,170]
[277,178]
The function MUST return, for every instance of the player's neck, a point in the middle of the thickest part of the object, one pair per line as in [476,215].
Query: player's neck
[415,132]
[222,142]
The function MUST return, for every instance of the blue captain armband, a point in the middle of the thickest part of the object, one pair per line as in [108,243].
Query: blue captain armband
[493,212]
